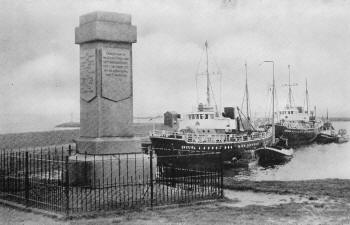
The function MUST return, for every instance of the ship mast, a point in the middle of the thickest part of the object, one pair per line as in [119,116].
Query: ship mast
[208,80]
[246,91]
[290,88]
[273,100]
[290,97]
[307,98]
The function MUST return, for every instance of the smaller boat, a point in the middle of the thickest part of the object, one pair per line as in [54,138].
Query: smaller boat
[274,155]
[342,137]
[278,152]
[327,134]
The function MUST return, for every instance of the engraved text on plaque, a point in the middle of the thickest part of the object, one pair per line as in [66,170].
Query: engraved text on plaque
[116,78]
[87,74]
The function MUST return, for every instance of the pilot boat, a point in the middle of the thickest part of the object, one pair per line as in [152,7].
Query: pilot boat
[207,130]
[297,125]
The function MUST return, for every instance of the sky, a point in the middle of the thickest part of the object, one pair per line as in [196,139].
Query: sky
[39,76]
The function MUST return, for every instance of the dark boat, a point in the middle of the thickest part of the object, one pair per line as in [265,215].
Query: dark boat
[297,125]
[273,155]
[297,133]
[324,138]
[232,146]
[207,130]
[329,135]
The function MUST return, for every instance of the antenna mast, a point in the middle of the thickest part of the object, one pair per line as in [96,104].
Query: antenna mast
[307,98]
[246,91]
[208,80]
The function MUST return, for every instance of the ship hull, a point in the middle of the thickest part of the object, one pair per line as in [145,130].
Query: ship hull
[325,138]
[342,139]
[295,136]
[229,150]
[271,156]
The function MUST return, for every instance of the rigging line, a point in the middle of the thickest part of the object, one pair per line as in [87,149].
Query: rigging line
[246,119]
[197,72]
[219,72]
[243,100]
[214,59]
[211,88]
[276,103]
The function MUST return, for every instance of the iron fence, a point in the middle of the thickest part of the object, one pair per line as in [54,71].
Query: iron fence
[70,183]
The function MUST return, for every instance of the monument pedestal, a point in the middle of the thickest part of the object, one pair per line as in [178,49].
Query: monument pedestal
[108,145]
[106,95]
[97,171]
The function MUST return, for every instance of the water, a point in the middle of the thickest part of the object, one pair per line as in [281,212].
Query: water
[311,162]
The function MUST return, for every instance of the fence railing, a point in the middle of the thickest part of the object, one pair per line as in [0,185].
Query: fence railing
[62,181]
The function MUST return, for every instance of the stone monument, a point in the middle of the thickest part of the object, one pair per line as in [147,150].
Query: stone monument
[106,91]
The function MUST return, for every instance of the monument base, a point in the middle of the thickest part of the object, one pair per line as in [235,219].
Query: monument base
[97,171]
[108,145]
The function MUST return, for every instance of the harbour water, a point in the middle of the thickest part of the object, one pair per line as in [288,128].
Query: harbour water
[310,162]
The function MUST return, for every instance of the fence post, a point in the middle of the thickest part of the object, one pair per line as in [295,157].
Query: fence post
[221,174]
[26,179]
[67,185]
[151,175]
[69,150]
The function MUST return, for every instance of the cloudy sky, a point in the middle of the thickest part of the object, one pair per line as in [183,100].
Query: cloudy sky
[39,84]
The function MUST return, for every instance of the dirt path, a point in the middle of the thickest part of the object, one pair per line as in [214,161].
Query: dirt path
[316,207]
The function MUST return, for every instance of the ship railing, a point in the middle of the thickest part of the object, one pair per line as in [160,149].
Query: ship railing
[299,125]
[166,134]
[209,138]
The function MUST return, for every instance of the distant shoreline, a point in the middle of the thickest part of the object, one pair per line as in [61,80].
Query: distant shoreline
[62,136]
[340,119]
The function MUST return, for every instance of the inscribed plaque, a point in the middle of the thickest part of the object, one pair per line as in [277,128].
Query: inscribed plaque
[116,77]
[87,74]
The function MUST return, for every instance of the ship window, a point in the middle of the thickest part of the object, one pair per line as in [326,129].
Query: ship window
[197,116]
[201,116]
[206,116]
